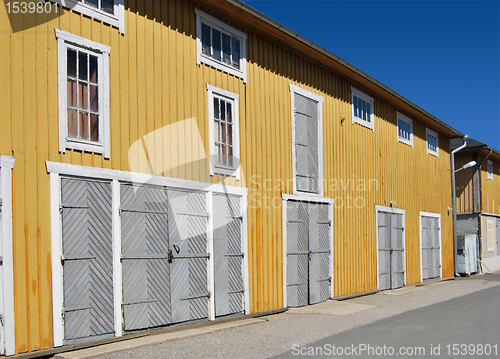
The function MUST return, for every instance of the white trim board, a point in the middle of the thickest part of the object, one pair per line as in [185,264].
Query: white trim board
[391,210]
[438,216]
[8,328]
[124,176]
[319,99]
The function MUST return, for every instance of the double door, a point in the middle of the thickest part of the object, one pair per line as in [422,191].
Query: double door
[308,253]
[391,263]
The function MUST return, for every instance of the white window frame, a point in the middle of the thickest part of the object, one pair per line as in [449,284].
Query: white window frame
[489,169]
[65,40]
[117,19]
[7,330]
[390,210]
[202,17]
[365,97]
[438,216]
[409,121]
[56,169]
[216,169]
[319,99]
[428,131]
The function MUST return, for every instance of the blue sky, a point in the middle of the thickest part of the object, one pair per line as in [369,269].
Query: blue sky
[443,55]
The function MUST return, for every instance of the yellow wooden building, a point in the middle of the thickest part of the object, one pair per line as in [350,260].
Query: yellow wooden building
[478,199]
[166,161]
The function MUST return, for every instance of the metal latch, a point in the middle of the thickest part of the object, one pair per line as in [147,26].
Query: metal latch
[170,256]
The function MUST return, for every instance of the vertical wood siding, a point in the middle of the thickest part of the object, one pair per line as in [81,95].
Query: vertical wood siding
[154,82]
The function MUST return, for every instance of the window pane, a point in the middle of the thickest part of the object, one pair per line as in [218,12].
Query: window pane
[82,66]
[229,112]
[93,69]
[94,127]
[229,139]
[71,63]
[216,108]
[72,93]
[224,133]
[107,6]
[205,39]
[92,3]
[226,49]
[230,156]
[72,124]
[83,99]
[84,126]
[94,98]
[368,112]
[216,44]
[223,110]
[235,51]
[217,131]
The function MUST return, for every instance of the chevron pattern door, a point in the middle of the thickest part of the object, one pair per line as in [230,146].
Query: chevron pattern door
[87,258]
[228,255]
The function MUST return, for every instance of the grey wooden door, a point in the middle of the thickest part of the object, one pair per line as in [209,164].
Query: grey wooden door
[188,228]
[145,267]
[390,250]
[308,253]
[297,254]
[228,255]
[306,144]
[431,248]
[319,253]
[87,258]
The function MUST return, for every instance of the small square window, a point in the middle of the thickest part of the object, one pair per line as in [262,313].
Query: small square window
[362,109]
[83,94]
[490,170]
[220,45]
[432,142]
[224,132]
[405,129]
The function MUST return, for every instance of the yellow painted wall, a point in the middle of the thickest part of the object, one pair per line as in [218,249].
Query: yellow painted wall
[464,183]
[155,81]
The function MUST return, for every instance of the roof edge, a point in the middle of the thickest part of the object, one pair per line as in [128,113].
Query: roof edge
[251,11]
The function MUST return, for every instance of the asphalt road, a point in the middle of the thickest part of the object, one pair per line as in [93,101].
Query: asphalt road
[463,327]
[461,311]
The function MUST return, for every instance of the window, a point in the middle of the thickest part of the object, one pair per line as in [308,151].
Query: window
[307,140]
[362,109]
[432,142]
[224,132]
[108,11]
[83,94]
[405,129]
[490,170]
[220,45]
[490,238]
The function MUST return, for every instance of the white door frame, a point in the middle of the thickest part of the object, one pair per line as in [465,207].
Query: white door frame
[398,211]
[8,338]
[438,216]
[329,201]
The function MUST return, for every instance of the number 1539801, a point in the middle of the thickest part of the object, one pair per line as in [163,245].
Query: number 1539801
[32,7]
